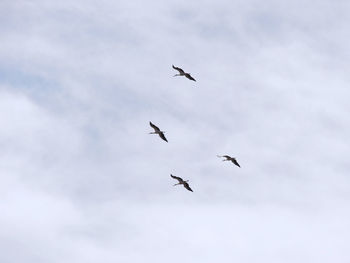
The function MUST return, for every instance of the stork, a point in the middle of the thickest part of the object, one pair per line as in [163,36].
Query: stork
[158,131]
[181,181]
[229,158]
[183,73]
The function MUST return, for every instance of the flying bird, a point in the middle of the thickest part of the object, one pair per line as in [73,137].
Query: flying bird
[183,73]
[229,158]
[158,131]
[184,183]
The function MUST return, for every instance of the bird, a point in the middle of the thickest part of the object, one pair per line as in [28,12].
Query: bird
[158,131]
[181,181]
[183,73]
[229,158]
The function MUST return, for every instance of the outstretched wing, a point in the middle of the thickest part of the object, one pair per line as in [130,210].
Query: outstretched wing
[189,77]
[161,135]
[235,162]
[227,157]
[154,127]
[187,187]
[179,70]
[177,178]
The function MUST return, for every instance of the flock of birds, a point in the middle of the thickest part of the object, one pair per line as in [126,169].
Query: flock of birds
[162,136]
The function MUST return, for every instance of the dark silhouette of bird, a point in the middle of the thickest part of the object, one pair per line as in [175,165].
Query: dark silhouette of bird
[181,181]
[158,131]
[229,158]
[183,73]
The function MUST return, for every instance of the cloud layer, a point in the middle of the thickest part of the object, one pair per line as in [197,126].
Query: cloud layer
[83,181]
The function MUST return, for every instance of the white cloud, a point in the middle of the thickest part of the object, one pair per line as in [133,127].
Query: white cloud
[82,181]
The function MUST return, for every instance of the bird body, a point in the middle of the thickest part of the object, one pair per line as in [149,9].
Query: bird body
[181,181]
[229,158]
[183,73]
[157,131]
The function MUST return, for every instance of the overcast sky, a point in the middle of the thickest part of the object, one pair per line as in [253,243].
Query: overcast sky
[82,180]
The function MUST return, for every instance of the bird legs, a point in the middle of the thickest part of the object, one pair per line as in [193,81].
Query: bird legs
[157,132]
[182,182]
[223,157]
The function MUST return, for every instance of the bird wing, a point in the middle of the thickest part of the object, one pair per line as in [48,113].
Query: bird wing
[187,187]
[189,77]
[177,178]
[235,162]
[154,127]
[179,70]
[161,135]
[227,157]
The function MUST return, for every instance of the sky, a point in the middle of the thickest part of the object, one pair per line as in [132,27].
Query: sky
[83,181]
